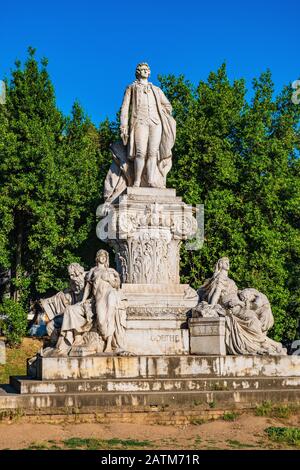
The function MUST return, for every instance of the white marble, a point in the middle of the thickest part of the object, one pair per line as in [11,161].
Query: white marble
[247,313]
[146,227]
[143,157]
[163,366]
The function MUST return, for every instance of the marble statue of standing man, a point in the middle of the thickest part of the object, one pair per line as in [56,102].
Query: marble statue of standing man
[147,130]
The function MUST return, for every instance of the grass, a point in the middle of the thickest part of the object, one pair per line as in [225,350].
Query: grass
[264,409]
[230,416]
[95,444]
[16,359]
[275,411]
[197,441]
[238,445]
[197,402]
[197,421]
[286,435]
[90,443]
[11,415]
[38,446]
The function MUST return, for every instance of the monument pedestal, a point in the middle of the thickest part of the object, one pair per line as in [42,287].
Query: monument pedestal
[118,389]
[157,318]
[207,336]
[109,367]
[146,226]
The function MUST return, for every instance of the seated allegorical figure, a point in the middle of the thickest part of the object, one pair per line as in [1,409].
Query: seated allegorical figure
[103,284]
[247,313]
[99,317]
[52,308]
[219,289]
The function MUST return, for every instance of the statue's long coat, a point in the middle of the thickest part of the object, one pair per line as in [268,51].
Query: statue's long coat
[129,117]
[121,172]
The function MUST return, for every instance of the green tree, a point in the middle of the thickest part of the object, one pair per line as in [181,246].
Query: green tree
[50,175]
[27,166]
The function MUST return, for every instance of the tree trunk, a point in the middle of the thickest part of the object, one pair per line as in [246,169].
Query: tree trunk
[16,293]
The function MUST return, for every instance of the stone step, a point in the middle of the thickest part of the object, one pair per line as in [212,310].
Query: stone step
[24,385]
[92,402]
[167,367]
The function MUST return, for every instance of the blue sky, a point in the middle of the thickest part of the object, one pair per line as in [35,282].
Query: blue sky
[94,46]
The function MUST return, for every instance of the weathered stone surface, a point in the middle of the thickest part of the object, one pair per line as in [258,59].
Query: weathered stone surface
[96,367]
[65,403]
[207,336]
[102,384]
[152,194]
[24,385]
[248,315]
[145,227]
[157,336]
[157,318]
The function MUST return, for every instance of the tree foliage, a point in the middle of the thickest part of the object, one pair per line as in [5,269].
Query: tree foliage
[13,321]
[50,171]
[241,161]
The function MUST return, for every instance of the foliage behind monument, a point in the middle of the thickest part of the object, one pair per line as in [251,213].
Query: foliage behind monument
[241,161]
[50,169]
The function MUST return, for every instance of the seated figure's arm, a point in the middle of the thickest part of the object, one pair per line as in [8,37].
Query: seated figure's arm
[214,296]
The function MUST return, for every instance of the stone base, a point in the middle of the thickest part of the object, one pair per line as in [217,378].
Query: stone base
[118,367]
[157,337]
[157,318]
[207,336]
[181,385]
[82,351]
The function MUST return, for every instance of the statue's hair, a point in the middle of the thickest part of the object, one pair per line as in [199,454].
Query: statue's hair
[76,268]
[138,68]
[101,252]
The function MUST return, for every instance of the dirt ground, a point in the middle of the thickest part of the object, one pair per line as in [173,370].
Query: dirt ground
[245,432]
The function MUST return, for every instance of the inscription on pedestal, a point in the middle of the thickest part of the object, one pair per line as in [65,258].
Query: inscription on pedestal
[208,330]
[165,338]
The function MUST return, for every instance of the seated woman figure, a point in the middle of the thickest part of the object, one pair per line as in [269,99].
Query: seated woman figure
[103,283]
[247,312]
[100,310]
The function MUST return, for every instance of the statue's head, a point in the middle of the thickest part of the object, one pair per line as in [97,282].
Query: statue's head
[223,263]
[142,70]
[77,274]
[102,257]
